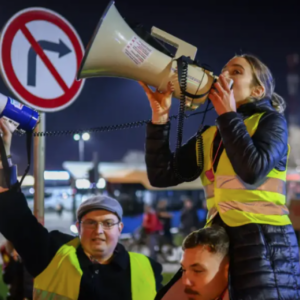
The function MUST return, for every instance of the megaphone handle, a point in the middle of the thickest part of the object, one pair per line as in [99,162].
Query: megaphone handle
[28,148]
[183,48]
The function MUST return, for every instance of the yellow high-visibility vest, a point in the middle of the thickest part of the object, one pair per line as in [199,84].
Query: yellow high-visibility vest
[61,279]
[239,203]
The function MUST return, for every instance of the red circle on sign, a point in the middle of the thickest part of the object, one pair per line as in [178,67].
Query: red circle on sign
[17,23]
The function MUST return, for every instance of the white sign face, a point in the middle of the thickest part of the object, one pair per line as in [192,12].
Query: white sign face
[40,55]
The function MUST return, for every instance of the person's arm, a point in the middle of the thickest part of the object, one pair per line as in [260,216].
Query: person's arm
[164,214]
[149,221]
[32,241]
[157,270]
[252,158]
[160,159]
[145,223]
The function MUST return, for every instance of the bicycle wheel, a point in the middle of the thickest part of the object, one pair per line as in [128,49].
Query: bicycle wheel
[171,254]
[139,248]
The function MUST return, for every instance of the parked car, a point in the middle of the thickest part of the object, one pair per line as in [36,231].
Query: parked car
[55,198]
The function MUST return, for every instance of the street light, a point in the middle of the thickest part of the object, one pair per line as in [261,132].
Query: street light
[86,136]
[76,137]
[81,139]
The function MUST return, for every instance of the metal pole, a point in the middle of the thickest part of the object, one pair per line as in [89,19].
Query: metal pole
[96,172]
[39,168]
[81,149]
[74,208]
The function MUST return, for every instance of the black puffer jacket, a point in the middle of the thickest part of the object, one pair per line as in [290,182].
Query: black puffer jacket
[264,259]
[251,158]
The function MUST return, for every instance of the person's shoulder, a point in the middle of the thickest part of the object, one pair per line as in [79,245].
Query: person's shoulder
[273,114]
[273,118]
[156,266]
[60,237]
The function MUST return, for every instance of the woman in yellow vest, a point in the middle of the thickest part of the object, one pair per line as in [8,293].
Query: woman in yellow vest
[244,175]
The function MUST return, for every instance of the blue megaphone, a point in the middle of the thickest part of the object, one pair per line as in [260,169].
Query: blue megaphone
[21,118]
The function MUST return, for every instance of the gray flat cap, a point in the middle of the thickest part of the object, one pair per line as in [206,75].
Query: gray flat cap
[100,202]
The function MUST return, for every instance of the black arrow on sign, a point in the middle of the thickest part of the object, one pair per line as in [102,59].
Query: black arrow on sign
[61,48]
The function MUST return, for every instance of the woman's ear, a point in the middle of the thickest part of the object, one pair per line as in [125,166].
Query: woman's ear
[258,92]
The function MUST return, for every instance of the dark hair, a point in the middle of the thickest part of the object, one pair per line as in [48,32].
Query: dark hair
[214,237]
[262,76]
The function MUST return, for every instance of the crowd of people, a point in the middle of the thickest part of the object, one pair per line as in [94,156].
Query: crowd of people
[157,224]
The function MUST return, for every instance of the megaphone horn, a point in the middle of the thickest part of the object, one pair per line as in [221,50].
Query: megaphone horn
[115,50]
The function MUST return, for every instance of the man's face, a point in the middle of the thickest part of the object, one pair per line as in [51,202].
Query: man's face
[205,274]
[97,241]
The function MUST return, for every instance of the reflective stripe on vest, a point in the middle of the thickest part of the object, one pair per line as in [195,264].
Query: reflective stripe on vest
[61,279]
[256,207]
[209,190]
[274,185]
[231,182]
[239,203]
[44,295]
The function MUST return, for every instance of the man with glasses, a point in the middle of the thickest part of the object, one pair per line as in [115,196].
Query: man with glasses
[91,266]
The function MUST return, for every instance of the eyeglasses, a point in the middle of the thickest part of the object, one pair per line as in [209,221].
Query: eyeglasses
[92,224]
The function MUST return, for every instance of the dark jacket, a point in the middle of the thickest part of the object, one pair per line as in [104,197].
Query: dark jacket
[37,247]
[264,259]
[251,158]
[189,220]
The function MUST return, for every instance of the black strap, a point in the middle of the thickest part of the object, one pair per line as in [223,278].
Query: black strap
[5,164]
[6,168]
[28,148]
[187,60]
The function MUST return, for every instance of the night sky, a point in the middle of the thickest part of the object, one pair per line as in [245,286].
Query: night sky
[219,29]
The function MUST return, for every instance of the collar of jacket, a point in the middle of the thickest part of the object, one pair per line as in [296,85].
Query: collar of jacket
[250,108]
[120,258]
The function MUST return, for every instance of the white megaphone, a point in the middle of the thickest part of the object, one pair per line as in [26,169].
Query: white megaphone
[115,50]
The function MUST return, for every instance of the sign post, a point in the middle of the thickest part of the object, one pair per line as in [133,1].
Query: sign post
[40,53]
[38,170]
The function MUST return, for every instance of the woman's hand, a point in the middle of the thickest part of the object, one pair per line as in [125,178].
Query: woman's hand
[160,102]
[222,99]
[6,135]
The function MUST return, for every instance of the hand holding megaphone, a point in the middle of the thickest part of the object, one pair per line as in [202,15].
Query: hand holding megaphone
[222,96]
[160,102]
[21,118]
[6,133]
